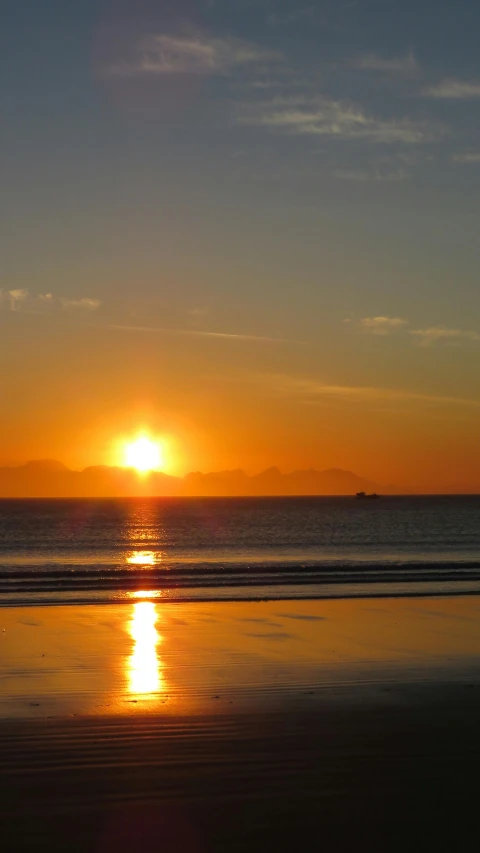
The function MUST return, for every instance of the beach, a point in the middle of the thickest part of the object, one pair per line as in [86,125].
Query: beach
[239,432]
[240,726]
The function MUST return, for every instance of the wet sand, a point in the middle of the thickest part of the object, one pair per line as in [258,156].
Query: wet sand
[240,727]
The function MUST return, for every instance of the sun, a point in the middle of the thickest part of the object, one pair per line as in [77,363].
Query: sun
[144,455]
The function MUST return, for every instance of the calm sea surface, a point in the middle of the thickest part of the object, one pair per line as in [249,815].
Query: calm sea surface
[111,550]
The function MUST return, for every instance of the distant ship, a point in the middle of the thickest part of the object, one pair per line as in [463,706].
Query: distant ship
[362,496]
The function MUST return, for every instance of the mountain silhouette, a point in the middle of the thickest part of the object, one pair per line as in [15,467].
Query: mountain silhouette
[49,478]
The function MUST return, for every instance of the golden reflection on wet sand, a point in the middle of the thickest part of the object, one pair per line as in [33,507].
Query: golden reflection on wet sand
[144,666]
[221,656]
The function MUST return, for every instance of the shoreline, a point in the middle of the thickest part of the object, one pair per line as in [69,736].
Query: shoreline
[176,596]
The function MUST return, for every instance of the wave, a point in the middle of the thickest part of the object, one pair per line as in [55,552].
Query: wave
[183,581]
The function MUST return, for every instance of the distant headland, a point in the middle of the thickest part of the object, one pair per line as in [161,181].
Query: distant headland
[49,478]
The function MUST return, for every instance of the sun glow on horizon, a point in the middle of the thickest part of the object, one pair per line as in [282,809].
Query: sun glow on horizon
[144,455]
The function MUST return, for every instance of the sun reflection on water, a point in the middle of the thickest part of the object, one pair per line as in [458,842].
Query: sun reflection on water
[142,558]
[144,676]
[145,594]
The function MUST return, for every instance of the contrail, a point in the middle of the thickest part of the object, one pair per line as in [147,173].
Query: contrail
[197,333]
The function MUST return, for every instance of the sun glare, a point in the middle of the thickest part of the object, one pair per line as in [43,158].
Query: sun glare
[144,455]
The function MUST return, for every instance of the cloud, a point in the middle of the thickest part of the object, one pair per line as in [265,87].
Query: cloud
[86,304]
[16,298]
[467,157]
[395,65]
[311,390]
[358,175]
[293,15]
[435,334]
[197,333]
[321,116]
[382,325]
[198,315]
[163,54]
[33,303]
[362,175]
[198,312]
[461,90]
[264,84]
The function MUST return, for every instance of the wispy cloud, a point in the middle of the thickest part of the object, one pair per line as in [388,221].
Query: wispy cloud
[264,84]
[321,116]
[14,298]
[467,157]
[165,54]
[197,333]
[291,16]
[393,65]
[198,315]
[84,304]
[23,300]
[198,312]
[436,334]
[311,390]
[393,176]
[461,90]
[382,325]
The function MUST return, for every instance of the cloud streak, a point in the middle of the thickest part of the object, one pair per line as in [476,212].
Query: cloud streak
[393,176]
[382,325]
[436,334]
[199,333]
[321,116]
[200,54]
[395,65]
[23,300]
[467,157]
[84,304]
[460,90]
[310,390]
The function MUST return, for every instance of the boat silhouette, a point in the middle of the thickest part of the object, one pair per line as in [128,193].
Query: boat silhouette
[362,496]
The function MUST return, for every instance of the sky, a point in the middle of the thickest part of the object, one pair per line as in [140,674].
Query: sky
[247,226]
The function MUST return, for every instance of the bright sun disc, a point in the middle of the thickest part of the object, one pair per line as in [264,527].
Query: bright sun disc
[143,455]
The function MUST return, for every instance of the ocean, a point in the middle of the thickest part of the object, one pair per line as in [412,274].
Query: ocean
[58,551]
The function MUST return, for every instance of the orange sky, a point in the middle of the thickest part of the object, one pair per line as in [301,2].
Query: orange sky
[253,234]
[227,403]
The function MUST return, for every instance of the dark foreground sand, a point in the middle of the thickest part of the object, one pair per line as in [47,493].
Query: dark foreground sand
[386,761]
[369,780]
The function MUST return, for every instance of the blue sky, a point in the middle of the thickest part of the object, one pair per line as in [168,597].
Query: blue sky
[304,174]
